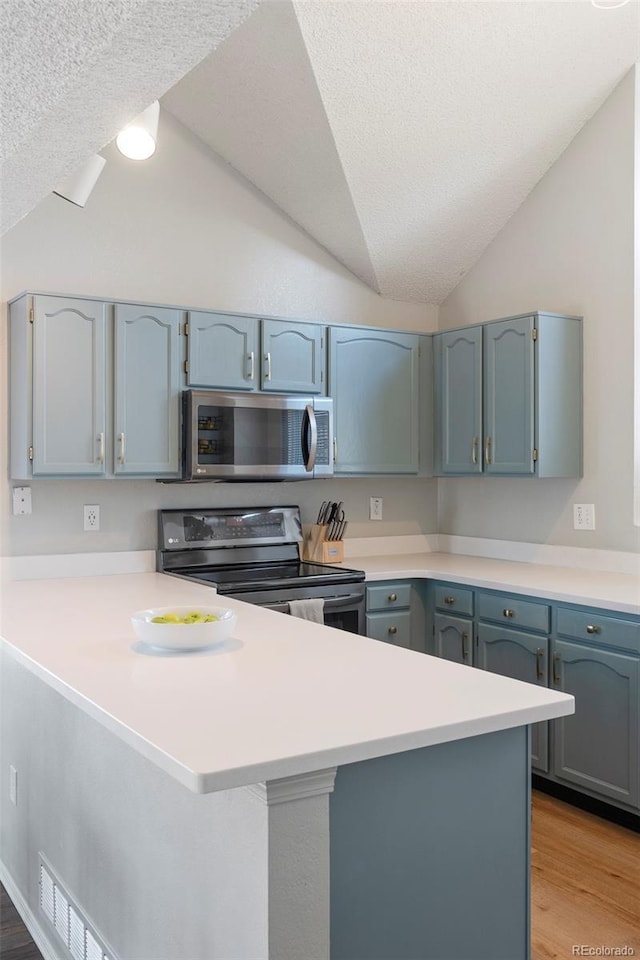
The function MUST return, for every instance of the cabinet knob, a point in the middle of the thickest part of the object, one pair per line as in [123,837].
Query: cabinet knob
[393,630]
[449,600]
[508,613]
[392,597]
[592,628]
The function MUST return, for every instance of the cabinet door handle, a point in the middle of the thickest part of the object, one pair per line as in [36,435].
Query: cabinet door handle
[393,630]
[509,614]
[251,359]
[100,439]
[393,597]
[121,444]
[267,374]
[540,663]
[335,450]
[487,450]
[465,649]
[474,450]
[449,600]
[592,628]
[556,668]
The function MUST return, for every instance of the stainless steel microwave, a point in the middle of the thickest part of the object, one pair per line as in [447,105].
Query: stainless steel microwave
[256,436]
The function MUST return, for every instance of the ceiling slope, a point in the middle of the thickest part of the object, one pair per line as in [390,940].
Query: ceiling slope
[75,71]
[256,103]
[403,135]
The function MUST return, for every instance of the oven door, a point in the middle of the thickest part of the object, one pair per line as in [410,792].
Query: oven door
[343,613]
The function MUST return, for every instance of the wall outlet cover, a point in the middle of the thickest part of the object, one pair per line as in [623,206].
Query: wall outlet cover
[91,517]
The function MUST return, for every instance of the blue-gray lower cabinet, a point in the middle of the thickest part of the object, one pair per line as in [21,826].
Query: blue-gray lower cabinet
[453,638]
[598,747]
[147,389]
[521,656]
[374,382]
[388,614]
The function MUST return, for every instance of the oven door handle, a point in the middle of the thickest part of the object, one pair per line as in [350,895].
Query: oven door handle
[310,426]
[330,603]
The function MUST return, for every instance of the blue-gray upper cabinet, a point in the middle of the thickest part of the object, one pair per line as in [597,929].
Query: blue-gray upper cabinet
[223,351]
[373,379]
[458,399]
[147,388]
[293,357]
[226,352]
[66,426]
[509,398]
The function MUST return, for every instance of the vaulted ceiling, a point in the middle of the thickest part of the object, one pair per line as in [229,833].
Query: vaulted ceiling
[401,135]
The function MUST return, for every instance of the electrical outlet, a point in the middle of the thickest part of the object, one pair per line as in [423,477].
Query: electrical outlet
[584,516]
[375,508]
[13,785]
[21,501]
[91,517]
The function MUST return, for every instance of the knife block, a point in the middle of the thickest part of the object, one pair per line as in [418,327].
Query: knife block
[318,549]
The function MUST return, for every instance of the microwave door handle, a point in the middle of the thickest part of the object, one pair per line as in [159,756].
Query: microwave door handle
[313,430]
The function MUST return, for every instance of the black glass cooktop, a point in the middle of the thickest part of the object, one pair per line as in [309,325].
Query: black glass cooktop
[235,579]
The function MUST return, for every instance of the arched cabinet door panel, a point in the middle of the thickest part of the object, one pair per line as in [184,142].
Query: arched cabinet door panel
[292,357]
[223,351]
[69,389]
[147,387]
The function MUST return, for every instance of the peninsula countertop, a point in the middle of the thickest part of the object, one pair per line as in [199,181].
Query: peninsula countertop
[283,697]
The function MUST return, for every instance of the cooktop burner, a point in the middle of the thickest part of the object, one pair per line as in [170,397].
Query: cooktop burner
[248,577]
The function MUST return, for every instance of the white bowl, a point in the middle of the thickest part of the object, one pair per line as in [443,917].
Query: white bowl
[183,636]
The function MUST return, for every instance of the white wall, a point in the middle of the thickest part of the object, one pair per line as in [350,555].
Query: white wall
[568,249]
[183,228]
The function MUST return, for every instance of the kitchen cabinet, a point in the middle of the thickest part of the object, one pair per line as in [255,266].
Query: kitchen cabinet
[453,631]
[389,613]
[596,658]
[374,382]
[74,413]
[231,352]
[147,391]
[508,397]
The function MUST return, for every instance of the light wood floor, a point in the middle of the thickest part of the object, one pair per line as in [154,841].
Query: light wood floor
[585,881]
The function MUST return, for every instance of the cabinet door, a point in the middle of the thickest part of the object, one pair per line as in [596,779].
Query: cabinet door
[391,627]
[508,396]
[458,399]
[147,391]
[222,351]
[69,405]
[453,638]
[292,357]
[373,379]
[522,657]
[597,747]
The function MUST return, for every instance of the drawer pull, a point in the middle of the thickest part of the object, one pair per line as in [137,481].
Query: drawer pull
[592,628]
[508,613]
[539,663]
[465,648]
[449,600]
[556,668]
[393,630]
[392,597]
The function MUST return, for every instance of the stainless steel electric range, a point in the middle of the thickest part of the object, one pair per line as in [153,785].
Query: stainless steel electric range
[251,554]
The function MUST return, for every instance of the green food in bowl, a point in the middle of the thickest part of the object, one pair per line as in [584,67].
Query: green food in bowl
[192,617]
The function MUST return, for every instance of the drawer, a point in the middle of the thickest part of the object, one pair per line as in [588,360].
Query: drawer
[391,627]
[599,628]
[522,614]
[389,596]
[451,597]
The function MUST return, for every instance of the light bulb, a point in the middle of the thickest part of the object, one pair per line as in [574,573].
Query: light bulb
[137,140]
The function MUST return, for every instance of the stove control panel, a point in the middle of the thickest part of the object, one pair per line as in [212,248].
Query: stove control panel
[228,527]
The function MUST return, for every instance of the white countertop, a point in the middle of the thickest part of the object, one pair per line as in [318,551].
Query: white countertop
[283,697]
[594,588]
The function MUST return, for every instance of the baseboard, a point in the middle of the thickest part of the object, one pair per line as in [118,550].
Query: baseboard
[29,918]
[608,811]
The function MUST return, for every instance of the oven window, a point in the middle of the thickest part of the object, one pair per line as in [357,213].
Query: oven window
[342,620]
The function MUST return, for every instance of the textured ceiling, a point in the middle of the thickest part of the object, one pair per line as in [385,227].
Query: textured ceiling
[74,71]
[403,135]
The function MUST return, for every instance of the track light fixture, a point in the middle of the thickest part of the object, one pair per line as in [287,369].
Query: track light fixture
[76,189]
[137,140]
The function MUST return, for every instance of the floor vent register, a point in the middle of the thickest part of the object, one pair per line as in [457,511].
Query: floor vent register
[76,933]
